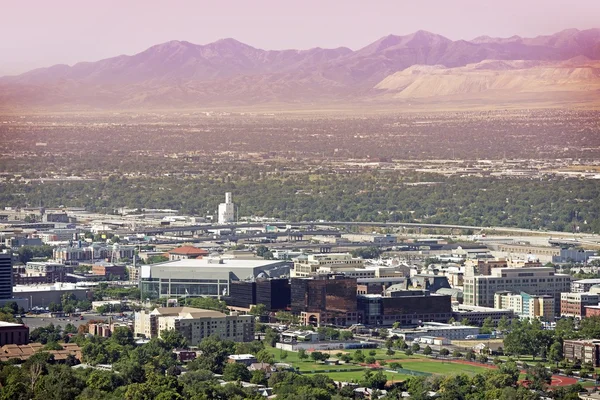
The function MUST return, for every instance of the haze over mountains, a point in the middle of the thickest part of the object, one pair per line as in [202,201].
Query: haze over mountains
[421,66]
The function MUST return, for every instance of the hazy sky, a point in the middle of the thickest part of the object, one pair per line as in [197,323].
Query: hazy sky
[46,32]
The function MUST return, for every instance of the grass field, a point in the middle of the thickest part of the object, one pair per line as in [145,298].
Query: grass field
[354,372]
[443,368]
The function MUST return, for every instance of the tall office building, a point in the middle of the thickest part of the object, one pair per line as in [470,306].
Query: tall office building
[273,293]
[6,276]
[325,299]
[226,212]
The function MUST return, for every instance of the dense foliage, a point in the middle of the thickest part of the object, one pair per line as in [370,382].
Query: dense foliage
[555,204]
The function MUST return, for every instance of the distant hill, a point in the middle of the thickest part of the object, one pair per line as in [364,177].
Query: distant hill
[227,72]
[494,78]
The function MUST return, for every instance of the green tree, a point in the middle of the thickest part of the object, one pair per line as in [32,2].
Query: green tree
[173,339]
[265,356]
[302,354]
[427,350]
[258,310]
[359,357]
[236,372]
[555,353]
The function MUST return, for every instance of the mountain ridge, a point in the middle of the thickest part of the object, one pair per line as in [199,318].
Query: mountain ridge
[181,72]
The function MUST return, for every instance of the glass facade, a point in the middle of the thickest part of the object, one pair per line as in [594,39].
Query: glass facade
[154,288]
[273,293]
[332,296]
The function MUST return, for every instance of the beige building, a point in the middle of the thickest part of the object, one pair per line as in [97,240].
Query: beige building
[194,324]
[314,264]
[526,306]
[479,290]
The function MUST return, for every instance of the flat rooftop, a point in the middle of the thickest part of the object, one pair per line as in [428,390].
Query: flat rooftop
[216,262]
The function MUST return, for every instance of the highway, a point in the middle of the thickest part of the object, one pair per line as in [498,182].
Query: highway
[591,239]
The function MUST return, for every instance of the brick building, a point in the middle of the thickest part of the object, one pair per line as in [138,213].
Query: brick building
[583,351]
[573,304]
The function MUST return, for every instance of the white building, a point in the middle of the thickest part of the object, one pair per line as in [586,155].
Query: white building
[194,324]
[437,330]
[208,276]
[226,212]
[479,290]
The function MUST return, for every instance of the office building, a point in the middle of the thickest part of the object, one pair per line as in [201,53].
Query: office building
[325,299]
[573,304]
[409,308]
[56,217]
[273,293]
[41,272]
[109,270]
[226,212]
[429,282]
[208,276]
[327,263]
[6,276]
[584,351]
[578,256]
[479,290]
[194,324]
[19,241]
[527,306]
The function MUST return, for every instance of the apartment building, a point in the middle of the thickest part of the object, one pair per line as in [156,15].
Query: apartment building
[479,290]
[573,304]
[194,324]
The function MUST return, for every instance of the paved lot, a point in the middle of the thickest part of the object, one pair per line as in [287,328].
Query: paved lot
[36,322]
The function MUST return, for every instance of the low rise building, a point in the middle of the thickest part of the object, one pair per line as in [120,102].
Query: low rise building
[436,330]
[476,315]
[578,256]
[187,252]
[24,351]
[246,359]
[109,270]
[584,285]
[194,324]
[592,311]
[11,333]
[583,351]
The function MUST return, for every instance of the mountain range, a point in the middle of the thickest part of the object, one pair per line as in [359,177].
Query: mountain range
[421,65]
